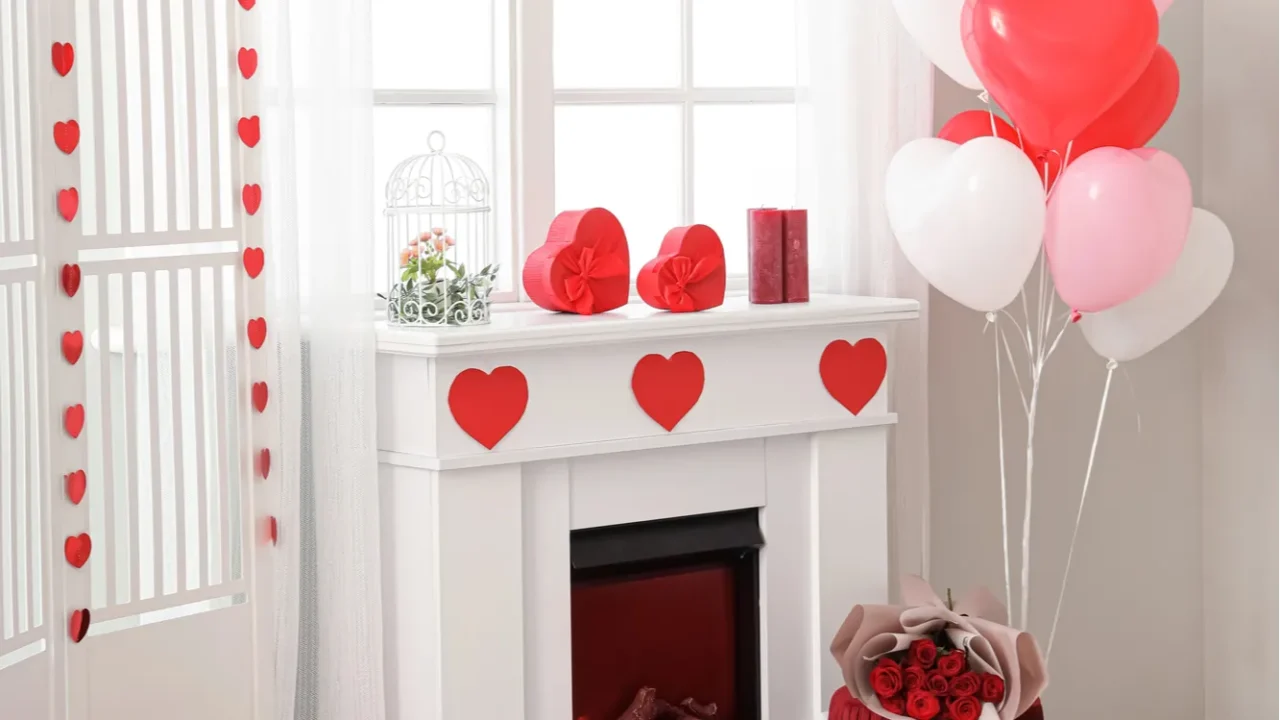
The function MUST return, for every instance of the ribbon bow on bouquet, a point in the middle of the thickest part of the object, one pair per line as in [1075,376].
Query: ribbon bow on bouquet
[976,625]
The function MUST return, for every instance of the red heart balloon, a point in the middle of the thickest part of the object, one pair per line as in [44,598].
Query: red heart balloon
[77,549]
[488,405]
[70,277]
[73,420]
[68,203]
[72,346]
[247,58]
[688,274]
[251,196]
[668,389]
[64,57]
[257,330]
[1056,65]
[853,373]
[972,124]
[76,484]
[66,135]
[264,463]
[260,396]
[254,259]
[250,130]
[583,266]
[78,625]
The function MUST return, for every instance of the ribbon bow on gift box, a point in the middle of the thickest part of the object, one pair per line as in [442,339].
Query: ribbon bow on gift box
[679,276]
[583,267]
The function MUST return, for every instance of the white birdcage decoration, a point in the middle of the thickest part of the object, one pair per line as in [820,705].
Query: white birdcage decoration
[438,223]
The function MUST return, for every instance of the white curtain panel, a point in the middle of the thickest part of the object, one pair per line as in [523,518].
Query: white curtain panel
[863,91]
[317,103]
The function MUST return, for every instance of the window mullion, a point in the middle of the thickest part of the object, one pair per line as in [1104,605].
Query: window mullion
[534,176]
[686,110]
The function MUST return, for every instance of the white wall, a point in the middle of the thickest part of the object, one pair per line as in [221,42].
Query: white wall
[1131,640]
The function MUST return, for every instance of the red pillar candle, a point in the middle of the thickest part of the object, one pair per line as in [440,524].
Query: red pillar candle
[764,252]
[795,256]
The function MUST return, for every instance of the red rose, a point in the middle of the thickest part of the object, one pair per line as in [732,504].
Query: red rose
[914,679]
[923,653]
[922,706]
[953,663]
[965,685]
[992,688]
[886,678]
[895,704]
[964,708]
[936,683]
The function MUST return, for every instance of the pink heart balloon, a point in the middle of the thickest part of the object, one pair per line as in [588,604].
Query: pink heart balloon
[1116,223]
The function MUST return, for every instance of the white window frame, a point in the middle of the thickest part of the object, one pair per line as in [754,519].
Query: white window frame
[524,98]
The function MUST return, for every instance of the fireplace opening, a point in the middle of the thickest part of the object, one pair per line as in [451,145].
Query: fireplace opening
[666,612]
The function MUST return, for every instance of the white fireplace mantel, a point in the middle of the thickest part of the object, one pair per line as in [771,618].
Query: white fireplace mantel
[476,571]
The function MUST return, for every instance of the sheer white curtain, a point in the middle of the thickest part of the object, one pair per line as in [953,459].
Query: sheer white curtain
[317,101]
[864,90]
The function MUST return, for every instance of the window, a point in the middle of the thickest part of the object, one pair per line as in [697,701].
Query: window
[667,112]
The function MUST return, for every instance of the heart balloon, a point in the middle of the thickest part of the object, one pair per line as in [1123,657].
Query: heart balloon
[1117,221]
[968,217]
[935,26]
[1134,328]
[1056,65]
[971,124]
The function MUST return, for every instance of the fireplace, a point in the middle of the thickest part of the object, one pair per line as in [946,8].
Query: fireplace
[672,605]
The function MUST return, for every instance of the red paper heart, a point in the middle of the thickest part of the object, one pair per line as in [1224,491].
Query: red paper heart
[66,135]
[247,58]
[488,405]
[668,389]
[248,4]
[72,346]
[688,274]
[853,373]
[70,276]
[273,529]
[68,203]
[583,266]
[250,130]
[254,259]
[77,549]
[73,420]
[264,463]
[251,196]
[78,625]
[64,56]
[260,396]
[76,484]
[257,332]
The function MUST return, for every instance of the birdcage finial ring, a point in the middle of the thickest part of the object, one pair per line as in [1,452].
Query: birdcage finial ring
[435,141]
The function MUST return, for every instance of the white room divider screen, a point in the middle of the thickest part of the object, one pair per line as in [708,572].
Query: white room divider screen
[133,562]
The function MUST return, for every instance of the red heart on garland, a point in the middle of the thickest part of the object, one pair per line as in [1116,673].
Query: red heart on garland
[583,266]
[250,130]
[64,56]
[264,463]
[73,420]
[248,4]
[76,484]
[688,274]
[668,389]
[273,529]
[248,61]
[72,346]
[77,549]
[70,276]
[853,373]
[78,625]
[251,196]
[488,405]
[257,332]
[66,135]
[68,203]
[254,259]
[260,396]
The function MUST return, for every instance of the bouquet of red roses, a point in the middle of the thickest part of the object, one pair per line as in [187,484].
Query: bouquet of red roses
[931,680]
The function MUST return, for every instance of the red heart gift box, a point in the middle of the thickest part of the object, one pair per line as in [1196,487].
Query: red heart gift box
[583,267]
[688,274]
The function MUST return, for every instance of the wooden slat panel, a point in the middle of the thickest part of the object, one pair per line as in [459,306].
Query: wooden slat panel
[128,432]
[197,331]
[107,481]
[178,442]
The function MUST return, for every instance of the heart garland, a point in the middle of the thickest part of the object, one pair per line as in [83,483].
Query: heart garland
[254,260]
[264,463]
[72,346]
[251,197]
[68,203]
[78,625]
[260,397]
[248,4]
[250,130]
[247,59]
[77,549]
[273,529]
[66,135]
[257,332]
[76,483]
[64,57]
[73,420]
[70,277]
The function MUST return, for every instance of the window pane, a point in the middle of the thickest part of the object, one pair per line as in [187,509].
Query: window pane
[744,43]
[744,157]
[617,43]
[400,132]
[432,44]
[625,159]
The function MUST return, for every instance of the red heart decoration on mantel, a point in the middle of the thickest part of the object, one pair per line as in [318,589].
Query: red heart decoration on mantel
[853,373]
[76,484]
[257,332]
[488,405]
[77,549]
[264,463]
[72,346]
[68,203]
[250,130]
[688,274]
[251,196]
[254,259]
[64,56]
[260,396]
[73,420]
[584,265]
[668,389]
[247,58]
[66,135]
[70,277]
[78,625]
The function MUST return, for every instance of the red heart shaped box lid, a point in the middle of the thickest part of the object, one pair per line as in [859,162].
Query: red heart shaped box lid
[584,266]
[688,274]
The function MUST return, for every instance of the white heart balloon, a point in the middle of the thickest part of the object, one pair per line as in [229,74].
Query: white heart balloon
[969,217]
[935,26]
[1136,327]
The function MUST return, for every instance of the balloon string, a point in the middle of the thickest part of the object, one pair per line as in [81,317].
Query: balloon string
[990,113]
[1004,491]
[1084,492]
